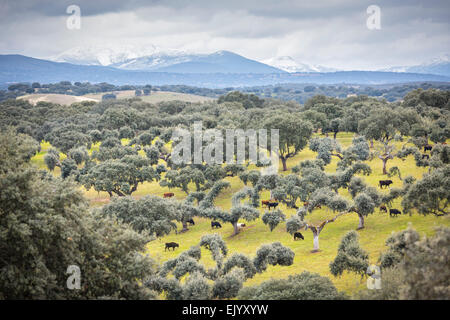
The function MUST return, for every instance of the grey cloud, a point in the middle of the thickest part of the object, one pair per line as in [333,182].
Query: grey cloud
[321,32]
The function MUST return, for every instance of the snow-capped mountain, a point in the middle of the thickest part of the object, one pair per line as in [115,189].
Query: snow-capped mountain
[108,55]
[154,61]
[217,62]
[439,66]
[288,64]
[152,58]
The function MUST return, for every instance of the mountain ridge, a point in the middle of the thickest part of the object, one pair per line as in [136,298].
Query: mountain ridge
[152,58]
[438,66]
[19,68]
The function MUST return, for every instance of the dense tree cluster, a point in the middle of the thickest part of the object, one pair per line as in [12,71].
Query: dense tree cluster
[46,226]
[222,281]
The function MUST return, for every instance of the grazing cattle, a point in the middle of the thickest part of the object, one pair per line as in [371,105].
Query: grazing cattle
[383,208]
[298,235]
[385,183]
[172,245]
[168,195]
[265,203]
[215,224]
[427,147]
[191,221]
[425,156]
[272,205]
[240,225]
[394,212]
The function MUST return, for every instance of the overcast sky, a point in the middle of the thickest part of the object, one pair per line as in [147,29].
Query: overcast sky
[330,33]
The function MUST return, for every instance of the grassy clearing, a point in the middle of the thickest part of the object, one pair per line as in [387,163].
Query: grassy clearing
[379,226]
[154,97]
[63,99]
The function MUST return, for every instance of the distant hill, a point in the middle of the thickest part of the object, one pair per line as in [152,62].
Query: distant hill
[18,68]
[439,66]
[218,62]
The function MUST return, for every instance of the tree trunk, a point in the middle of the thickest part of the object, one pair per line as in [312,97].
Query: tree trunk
[334,135]
[361,222]
[185,227]
[384,165]
[236,229]
[371,143]
[316,241]
[283,161]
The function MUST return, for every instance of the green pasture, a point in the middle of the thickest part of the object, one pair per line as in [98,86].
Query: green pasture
[378,226]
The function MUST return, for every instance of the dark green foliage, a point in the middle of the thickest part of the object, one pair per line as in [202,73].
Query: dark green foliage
[68,167]
[51,159]
[182,178]
[241,261]
[273,218]
[224,281]
[145,138]
[414,268]
[197,287]
[248,100]
[294,134]
[350,256]
[79,155]
[294,223]
[120,177]
[46,226]
[273,254]
[232,170]
[95,135]
[304,286]
[116,152]
[109,96]
[126,133]
[65,139]
[152,154]
[325,148]
[110,142]
[150,214]
[397,244]
[239,210]
[216,245]
[228,285]
[171,287]
[190,256]
[430,195]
